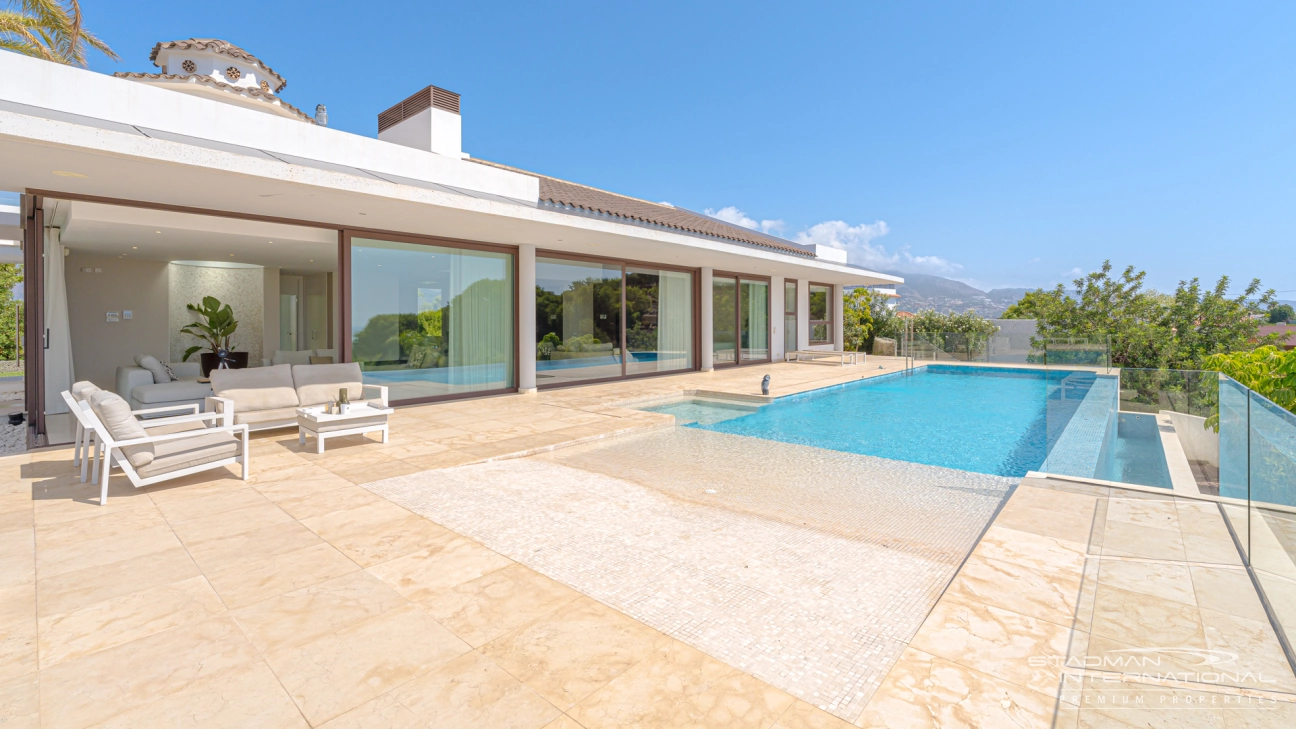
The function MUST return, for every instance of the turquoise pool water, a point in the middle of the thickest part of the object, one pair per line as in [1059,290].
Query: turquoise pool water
[999,421]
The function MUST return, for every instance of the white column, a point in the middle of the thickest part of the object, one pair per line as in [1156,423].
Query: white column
[839,317]
[707,355]
[776,319]
[526,278]
[803,314]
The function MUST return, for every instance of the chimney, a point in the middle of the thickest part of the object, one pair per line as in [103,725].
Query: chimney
[321,115]
[427,120]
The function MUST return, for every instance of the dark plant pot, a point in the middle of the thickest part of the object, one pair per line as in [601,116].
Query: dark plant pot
[236,360]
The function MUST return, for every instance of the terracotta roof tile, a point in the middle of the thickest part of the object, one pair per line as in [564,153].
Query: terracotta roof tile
[218,46]
[592,199]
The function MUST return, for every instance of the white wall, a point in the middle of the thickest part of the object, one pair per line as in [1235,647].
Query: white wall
[270,313]
[98,346]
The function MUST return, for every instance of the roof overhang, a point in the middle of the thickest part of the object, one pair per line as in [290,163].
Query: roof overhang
[112,162]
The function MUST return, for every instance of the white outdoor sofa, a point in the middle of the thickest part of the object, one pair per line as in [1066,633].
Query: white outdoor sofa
[263,398]
[177,447]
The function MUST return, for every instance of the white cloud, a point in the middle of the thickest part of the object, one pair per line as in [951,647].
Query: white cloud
[1074,272]
[731,214]
[857,241]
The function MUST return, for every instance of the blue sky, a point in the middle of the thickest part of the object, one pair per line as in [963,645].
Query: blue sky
[1005,144]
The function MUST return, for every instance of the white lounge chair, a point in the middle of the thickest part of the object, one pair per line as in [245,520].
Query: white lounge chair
[149,459]
[78,402]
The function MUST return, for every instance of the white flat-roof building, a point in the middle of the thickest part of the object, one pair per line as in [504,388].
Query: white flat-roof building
[442,275]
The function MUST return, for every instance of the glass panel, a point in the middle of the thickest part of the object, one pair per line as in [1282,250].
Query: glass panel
[429,321]
[578,321]
[753,320]
[789,316]
[659,320]
[820,315]
[1273,493]
[724,294]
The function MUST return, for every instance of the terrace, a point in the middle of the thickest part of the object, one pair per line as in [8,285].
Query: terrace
[567,560]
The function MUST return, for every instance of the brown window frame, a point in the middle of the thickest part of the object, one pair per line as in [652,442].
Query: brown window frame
[738,278]
[828,310]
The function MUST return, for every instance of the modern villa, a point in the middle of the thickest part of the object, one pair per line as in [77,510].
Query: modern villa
[332,430]
[444,276]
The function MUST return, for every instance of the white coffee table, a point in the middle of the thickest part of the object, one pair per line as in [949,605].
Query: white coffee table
[360,418]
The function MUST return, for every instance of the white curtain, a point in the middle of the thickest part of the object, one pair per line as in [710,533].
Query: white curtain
[481,320]
[757,319]
[58,356]
[674,321]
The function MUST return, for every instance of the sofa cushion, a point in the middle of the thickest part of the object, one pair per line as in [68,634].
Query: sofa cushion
[173,455]
[258,388]
[154,366]
[116,416]
[317,384]
[257,417]
[289,357]
[84,390]
[348,424]
[171,392]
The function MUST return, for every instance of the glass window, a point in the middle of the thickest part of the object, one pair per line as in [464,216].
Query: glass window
[820,314]
[789,316]
[578,321]
[753,320]
[724,320]
[430,321]
[659,320]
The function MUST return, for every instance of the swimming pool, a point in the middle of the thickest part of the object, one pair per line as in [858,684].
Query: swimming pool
[999,421]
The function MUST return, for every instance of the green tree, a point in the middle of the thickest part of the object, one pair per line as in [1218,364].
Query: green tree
[1148,329]
[1268,370]
[1281,314]
[857,323]
[50,29]
[11,275]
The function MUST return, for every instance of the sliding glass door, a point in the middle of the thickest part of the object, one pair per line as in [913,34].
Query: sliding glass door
[740,320]
[790,316]
[432,321]
[598,320]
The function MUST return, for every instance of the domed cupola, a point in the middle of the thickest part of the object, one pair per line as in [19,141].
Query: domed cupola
[218,70]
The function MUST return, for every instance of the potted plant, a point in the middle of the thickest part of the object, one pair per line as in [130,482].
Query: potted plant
[216,327]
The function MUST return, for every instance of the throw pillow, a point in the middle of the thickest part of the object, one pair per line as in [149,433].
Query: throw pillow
[170,373]
[116,416]
[155,367]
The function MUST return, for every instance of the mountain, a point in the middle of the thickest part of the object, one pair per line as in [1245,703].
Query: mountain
[926,291]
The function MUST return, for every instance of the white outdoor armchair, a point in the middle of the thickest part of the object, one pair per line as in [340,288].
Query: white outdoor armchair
[150,459]
[78,402]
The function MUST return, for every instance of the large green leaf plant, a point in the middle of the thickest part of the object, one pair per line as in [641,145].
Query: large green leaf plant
[215,329]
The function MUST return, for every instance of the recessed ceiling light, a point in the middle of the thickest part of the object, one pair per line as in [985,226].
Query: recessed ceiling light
[157,231]
[134,248]
[231,255]
[65,173]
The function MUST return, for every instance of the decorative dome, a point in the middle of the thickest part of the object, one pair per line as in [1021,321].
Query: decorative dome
[220,70]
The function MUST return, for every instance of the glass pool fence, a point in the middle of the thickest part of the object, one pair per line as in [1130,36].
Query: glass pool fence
[1007,348]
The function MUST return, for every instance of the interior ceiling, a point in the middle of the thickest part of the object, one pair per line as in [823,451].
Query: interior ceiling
[158,235]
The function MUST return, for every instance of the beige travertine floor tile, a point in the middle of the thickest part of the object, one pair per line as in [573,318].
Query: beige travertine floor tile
[227,523]
[18,603]
[1015,588]
[1146,620]
[481,610]
[377,472]
[804,716]
[244,584]
[448,459]
[18,650]
[113,622]
[114,524]
[315,482]
[572,652]
[205,483]
[1125,539]
[924,691]
[312,612]
[76,589]
[450,561]
[17,520]
[336,673]
[90,689]
[1039,553]
[563,722]
[90,553]
[1213,551]
[344,497]
[64,505]
[210,505]
[1227,591]
[250,547]
[376,533]
[1259,653]
[1167,580]
[20,703]
[679,686]
[1115,704]
[19,564]
[1049,513]
[1153,513]
[383,712]
[471,691]
[996,642]
[243,698]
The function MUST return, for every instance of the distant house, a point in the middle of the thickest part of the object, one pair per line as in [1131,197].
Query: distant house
[1286,332]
